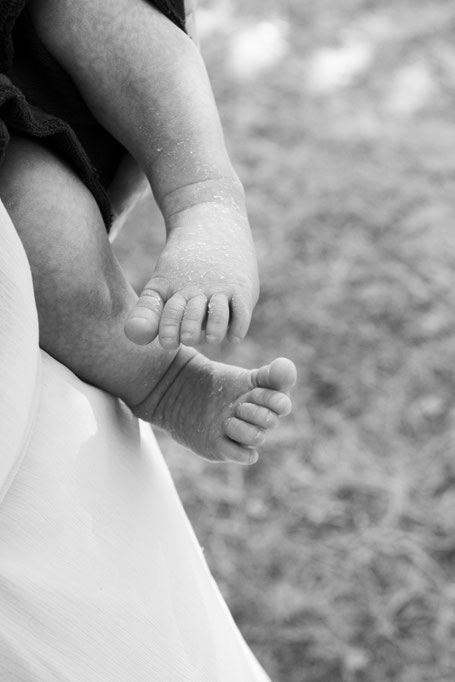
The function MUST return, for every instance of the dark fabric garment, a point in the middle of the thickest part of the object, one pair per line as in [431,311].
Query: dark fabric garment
[174,9]
[47,86]
[39,99]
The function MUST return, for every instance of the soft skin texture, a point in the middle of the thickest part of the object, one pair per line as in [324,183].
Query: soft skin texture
[222,413]
[146,83]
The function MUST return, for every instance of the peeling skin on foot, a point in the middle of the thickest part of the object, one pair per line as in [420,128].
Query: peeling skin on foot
[209,252]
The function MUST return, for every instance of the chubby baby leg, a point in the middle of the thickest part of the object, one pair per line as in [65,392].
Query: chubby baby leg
[205,284]
[221,412]
[81,293]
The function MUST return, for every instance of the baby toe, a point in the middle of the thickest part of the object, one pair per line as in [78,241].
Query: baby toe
[193,320]
[171,320]
[243,433]
[218,319]
[229,451]
[256,415]
[142,323]
[280,375]
[278,402]
[240,319]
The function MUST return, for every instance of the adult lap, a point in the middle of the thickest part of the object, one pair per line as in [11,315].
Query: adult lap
[101,576]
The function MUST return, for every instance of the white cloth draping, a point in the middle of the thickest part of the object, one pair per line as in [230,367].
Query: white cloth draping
[101,576]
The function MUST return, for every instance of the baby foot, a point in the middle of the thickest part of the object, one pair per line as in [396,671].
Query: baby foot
[222,413]
[205,285]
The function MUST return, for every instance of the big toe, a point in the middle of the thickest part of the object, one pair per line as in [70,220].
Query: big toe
[280,375]
[141,327]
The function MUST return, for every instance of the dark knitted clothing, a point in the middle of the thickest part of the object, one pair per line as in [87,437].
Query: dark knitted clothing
[174,9]
[39,99]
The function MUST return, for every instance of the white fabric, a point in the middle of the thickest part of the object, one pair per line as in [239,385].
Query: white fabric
[19,351]
[101,577]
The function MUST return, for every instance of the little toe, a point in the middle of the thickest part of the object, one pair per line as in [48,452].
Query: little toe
[171,319]
[193,320]
[276,401]
[142,323]
[230,451]
[257,415]
[280,375]
[218,319]
[240,319]
[243,433]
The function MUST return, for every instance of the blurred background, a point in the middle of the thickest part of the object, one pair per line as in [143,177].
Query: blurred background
[336,552]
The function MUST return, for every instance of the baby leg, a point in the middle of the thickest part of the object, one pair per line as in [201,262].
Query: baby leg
[146,83]
[81,293]
[220,412]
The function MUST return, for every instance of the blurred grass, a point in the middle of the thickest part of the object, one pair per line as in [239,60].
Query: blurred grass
[336,552]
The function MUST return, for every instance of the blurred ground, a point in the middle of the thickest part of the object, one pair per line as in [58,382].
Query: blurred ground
[336,552]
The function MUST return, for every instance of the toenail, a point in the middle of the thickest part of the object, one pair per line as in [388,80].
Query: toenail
[259,438]
[253,458]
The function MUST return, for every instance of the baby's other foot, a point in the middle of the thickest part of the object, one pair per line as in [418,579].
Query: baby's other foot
[205,284]
[222,413]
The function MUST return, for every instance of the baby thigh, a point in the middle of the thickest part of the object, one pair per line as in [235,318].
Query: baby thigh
[63,233]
